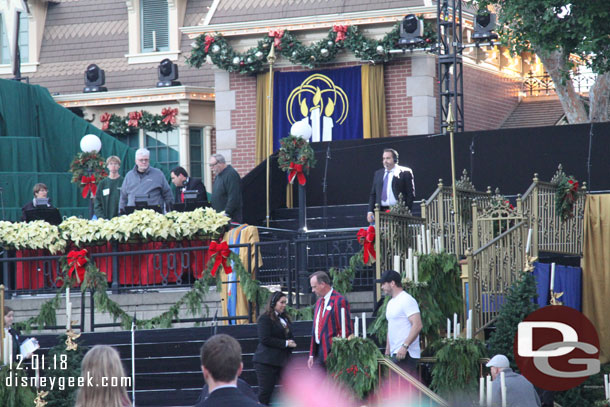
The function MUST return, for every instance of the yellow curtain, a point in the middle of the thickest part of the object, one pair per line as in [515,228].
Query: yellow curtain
[263,147]
[596,268]
[374,120]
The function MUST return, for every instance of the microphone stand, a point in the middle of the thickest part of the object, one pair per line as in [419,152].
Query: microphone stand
[325,188]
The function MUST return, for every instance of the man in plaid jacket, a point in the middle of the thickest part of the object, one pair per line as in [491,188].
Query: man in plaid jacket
[327,318]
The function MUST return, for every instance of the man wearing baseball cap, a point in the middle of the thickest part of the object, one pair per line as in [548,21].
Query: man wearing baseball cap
[404,323]
[519,391]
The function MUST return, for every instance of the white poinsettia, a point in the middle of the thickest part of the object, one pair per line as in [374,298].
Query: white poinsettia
[82,231]
[33,235]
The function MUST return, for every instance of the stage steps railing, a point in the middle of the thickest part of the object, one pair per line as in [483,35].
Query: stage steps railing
[438,213]
[550,233]
[492,269]
[390,374]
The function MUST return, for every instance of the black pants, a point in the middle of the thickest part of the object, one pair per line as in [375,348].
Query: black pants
[268,376]
[408,364]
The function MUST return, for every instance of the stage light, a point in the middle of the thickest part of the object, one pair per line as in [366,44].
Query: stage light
[168,73]
[94,79]
[411,31]
[484,24]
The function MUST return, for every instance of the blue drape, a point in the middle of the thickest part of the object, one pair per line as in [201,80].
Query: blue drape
[568,280]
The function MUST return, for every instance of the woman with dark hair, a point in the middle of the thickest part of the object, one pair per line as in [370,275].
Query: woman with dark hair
[275,344]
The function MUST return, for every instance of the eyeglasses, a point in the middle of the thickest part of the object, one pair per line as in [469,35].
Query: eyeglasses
[213,164]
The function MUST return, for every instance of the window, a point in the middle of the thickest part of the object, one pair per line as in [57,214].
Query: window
[154,25]
[5,54]
[132,139]
[196,151]
[163,148]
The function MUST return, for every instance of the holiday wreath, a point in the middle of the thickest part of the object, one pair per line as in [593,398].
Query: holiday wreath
[87,171]
[296,157]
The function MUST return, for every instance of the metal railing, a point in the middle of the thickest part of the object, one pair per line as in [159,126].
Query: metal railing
[399,381]
[438,213]
[537,85]
[492,269]
[551,233]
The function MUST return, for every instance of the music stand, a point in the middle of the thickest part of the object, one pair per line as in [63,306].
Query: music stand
[190,202]
[49,215]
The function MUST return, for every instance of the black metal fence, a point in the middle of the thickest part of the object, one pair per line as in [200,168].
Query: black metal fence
[286,259]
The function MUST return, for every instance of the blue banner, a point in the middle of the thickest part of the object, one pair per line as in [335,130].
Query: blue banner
[330,101]
[567,284]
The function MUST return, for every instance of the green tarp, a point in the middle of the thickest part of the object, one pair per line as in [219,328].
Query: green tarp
[38,140]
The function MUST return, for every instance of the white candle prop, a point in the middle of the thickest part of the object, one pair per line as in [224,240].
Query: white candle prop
[315,125]
[68,309]
[454,325]
[470,330]
[468,325]
[529,241]
[423,239]
[9,353]
[356,327]
[397,264]
[552,276]
[408,271]
[327,129]
[428,242]
[448,328]
[436,250]
[607,387]
[154,40]
[133,360]
[364,325]
[5,350]
[343,322]
[419,248]
[440,243]
[459,330]
[37,378]
[415,270]
[503,388]
[481,391]
[488,388]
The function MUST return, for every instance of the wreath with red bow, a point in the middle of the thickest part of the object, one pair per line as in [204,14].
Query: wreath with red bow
[87,171]
[296,157]
[566,195]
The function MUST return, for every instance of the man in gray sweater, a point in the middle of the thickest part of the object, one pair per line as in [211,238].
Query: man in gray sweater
[519,391]
[226,191]
[145,181]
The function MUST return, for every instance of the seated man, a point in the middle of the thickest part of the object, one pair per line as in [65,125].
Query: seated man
[182,181]
[28,211]
[221,364]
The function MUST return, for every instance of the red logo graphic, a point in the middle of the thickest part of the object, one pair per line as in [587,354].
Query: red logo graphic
[557,348]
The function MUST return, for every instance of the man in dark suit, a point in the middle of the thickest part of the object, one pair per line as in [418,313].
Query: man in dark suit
[221,364]
[389,182]
[182,181]
[327,318]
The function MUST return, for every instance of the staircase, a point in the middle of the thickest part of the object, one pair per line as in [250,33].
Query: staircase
[167,364]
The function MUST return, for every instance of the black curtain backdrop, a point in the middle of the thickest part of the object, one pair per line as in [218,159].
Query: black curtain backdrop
[506,159]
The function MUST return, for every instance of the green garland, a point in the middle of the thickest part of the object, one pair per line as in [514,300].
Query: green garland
[342,278]
[14,395]
[62,364]
[457,368]
[353,361]
[296,150]
[318,53]
[122,125]
[85,164]
[566,194]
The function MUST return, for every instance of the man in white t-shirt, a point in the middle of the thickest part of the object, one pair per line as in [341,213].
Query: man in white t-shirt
[404,323]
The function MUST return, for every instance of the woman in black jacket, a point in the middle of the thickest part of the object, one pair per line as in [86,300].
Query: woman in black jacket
[275,343]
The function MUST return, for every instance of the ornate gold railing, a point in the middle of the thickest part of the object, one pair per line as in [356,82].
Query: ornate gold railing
[438,212]
[549,232]
[392,375]
[490,222]
[492,269]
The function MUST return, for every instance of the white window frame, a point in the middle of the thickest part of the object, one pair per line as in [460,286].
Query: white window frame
[176,12]
[36,22]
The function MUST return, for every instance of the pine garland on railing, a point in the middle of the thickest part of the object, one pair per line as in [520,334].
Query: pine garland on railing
[565,196]
[316,54]
[136,120]
[353,361]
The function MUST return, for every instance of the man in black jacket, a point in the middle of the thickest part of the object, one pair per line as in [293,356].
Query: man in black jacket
[389,182]
[182,181]
[221,364]
[226,191]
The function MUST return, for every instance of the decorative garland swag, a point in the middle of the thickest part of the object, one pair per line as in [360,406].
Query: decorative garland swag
[78,269]
[318,53]
[115,124]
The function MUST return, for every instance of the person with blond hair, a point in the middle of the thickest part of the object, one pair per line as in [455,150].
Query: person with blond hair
[109,190]
[102,364]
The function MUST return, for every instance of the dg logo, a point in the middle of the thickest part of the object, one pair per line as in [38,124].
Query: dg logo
[557,348]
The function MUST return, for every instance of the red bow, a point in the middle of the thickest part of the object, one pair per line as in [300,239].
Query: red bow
[366,237]
[89,185]
[134,117]
[222,252]
[341,31]
[105,119]
[208,41]
[169,115]
[277,34]
[76,261]
[296,170]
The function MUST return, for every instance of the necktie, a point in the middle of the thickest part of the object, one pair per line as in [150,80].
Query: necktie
[320,318]
[384,191]
[182,195]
